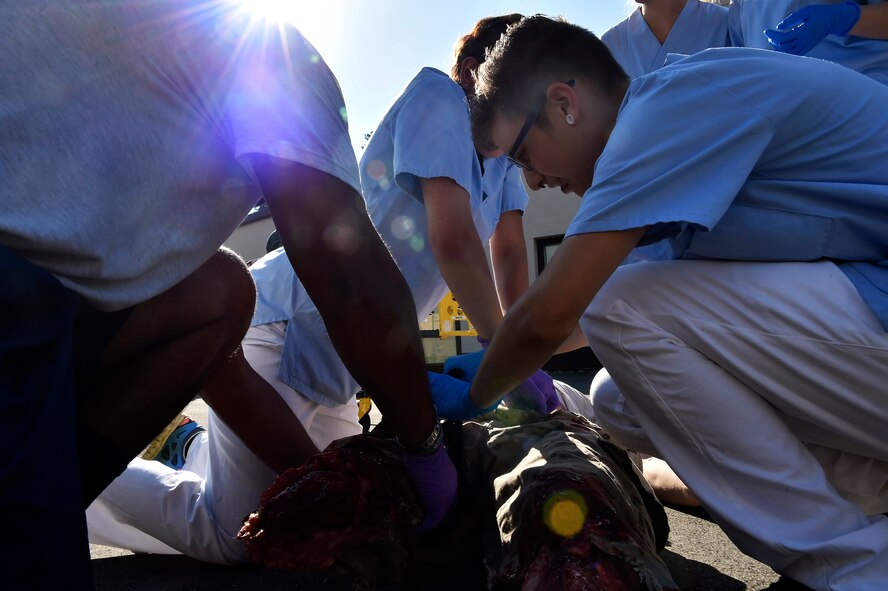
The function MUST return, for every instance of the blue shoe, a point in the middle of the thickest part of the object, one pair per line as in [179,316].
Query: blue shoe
[174,449]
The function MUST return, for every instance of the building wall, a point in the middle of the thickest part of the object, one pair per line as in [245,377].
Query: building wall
[549,212]
[249,239]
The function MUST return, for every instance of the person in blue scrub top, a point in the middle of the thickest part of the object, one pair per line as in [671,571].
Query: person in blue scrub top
[437,201]
[854,34]
[641,44]
[769,330]
[657,28]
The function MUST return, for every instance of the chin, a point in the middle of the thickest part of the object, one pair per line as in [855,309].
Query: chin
[580,189]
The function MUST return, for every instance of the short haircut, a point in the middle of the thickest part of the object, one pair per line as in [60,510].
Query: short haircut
[480,39]
[536,52]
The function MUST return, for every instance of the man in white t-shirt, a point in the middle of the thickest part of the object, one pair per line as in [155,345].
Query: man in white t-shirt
[136,137]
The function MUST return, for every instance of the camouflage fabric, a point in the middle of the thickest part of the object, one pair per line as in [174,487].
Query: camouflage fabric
[570,509]
[546,502]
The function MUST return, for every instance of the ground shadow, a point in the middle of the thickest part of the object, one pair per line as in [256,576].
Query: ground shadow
[152,572]
[691,575]
[148,572]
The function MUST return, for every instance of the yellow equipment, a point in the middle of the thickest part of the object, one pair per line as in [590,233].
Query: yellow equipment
[449,313]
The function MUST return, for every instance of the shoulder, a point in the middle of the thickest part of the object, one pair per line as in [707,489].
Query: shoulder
[711,9]
[434,85]
[615,34]
[431,100]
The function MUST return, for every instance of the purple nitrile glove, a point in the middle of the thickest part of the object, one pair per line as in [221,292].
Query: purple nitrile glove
[544,382]
[434,478]
[535,393]
[802,30]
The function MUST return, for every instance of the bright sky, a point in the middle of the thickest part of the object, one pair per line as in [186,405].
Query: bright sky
[375,47]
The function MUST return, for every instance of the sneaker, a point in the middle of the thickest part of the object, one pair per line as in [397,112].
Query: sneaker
[171,446]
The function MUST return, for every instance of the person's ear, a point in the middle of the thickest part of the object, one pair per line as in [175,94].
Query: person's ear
[467,74]
[567,101]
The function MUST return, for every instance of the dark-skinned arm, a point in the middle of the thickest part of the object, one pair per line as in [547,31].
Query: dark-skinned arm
[252,408]
[350,275]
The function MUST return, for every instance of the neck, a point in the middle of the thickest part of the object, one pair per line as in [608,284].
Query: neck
[660,15]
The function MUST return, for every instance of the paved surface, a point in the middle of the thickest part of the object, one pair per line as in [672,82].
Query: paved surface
[699,556]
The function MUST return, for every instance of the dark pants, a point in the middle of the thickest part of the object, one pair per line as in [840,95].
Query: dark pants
[43,544]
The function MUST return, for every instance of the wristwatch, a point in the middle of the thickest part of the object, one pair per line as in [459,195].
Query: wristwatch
[430,444]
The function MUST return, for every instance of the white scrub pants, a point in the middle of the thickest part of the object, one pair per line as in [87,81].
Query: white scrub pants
[726,368]
[197,511]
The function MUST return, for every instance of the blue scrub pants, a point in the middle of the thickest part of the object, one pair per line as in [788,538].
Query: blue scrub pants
[44,543]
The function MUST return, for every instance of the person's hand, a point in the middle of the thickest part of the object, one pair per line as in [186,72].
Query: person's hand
[544,383]
[451,397]
[464,366]
[434,479]
[802,30]
[536,393]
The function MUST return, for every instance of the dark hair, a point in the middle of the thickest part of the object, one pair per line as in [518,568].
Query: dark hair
[534,53]
[481,38]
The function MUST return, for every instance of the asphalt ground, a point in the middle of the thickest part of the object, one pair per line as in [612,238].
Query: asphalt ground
[698,554]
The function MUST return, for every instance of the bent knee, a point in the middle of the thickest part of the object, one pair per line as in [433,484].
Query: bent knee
[229,286]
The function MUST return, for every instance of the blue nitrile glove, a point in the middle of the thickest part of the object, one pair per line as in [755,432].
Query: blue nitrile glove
[464,366]
[451,397]
[434,478]
[536,393]
[802,30]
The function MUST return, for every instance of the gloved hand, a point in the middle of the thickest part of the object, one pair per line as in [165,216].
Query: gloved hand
[434,478]
[464,366]
[544,383]
[451,397]
[535,393]
[802,30]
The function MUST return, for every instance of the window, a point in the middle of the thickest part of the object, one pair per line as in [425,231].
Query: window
[545,250]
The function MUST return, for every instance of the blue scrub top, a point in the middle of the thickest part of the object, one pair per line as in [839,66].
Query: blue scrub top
[741,154]
[425,134]
[699,26]
[749,18]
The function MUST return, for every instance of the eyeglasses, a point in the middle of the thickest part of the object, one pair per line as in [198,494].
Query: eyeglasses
[528,123]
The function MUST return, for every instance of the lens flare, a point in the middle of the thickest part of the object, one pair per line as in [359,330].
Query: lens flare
[341,238]
[564,513]
[403,227]
[417,243]
[275,10]
[376,170]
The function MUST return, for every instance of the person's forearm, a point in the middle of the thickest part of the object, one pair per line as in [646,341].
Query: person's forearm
[252,408]
[350,275]
[523,344]
[575,341]
[545,316]
[508,257]
[873,23]
[370,316]
[463,264]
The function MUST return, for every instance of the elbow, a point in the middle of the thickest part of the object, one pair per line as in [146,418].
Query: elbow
[449,247]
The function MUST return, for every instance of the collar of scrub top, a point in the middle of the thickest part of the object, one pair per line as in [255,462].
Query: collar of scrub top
[531,119]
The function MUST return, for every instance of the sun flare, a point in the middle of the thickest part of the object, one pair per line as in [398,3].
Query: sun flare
[316,20]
